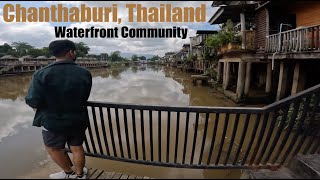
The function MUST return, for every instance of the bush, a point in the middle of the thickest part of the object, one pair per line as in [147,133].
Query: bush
[223,37]
[192,58]
[307,121]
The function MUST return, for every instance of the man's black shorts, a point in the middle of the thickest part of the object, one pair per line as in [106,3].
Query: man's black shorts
[59,140]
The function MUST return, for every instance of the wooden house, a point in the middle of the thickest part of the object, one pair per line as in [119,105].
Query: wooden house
[279,51]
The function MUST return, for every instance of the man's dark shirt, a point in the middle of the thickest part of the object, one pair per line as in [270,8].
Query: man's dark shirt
[59,92]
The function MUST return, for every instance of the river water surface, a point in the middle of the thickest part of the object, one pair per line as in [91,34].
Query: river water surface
[22,154]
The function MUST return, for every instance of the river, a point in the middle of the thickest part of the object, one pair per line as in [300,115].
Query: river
[22,154]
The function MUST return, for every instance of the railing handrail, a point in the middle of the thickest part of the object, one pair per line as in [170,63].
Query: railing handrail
[292,98]
[204,109]
[291,30]
[273,35]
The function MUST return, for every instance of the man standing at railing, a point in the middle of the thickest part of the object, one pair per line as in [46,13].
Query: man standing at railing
[58,93]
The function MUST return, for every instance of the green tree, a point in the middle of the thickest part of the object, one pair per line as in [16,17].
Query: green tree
[134,58]
[5,49]
[21,48]
[82,49]
[143,58]
[45,52]
[35,52]
[115,56]
[154,58]
[105,56]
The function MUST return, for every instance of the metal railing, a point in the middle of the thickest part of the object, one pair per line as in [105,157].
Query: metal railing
[205,137]
[297,40]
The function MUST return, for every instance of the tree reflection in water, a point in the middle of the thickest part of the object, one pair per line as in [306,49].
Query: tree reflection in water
[134,69]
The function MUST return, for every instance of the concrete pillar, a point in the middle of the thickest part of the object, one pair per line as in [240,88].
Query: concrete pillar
[29,68]
[241,79]
[298,80]
[248,79]
[226,75]
[269,78]
[282,81]
[219,72]
[243,28]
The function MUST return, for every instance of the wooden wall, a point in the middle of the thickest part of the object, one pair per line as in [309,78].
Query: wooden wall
[261,29]
[307,13]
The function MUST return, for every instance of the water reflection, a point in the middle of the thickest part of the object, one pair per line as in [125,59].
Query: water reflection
[14,87]
[142,87]
[144,84]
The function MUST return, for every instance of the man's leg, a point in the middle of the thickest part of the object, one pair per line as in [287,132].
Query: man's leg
[55,144]
[78,158]
[67,156]
[60,158]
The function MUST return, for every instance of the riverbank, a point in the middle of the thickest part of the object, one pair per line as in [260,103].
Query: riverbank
[19,68]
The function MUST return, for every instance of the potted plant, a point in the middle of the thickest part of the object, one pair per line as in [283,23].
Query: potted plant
[225,40]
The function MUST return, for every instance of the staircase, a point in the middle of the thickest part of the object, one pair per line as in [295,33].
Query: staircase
[300,167]
[6,68]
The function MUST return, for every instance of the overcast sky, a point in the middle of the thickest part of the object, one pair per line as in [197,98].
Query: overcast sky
[41,34]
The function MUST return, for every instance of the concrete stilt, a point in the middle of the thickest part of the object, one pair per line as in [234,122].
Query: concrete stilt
[269,78]
[248,79]
[282,81]
[241,79]
[219,72]
[298,80]
[226,75]
[243,28]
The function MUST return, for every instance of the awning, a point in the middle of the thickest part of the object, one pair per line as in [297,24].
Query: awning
[186,45]
[206,32]
[231,12]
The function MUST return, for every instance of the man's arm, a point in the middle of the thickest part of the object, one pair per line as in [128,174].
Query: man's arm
[34,97]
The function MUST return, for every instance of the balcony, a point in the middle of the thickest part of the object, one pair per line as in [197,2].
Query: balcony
[247,45]
[299,40]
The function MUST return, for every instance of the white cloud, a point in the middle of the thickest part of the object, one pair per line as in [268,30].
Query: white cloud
[13,113]
[36,34]
[40,34]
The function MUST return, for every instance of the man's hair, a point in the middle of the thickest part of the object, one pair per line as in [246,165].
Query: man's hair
[60,48]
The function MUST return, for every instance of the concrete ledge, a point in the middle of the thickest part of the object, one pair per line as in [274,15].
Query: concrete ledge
[307,166]
[290,55]
[283,173]
[229,94]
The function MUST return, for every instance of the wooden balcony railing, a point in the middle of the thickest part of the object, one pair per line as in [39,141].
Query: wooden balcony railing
[305,39]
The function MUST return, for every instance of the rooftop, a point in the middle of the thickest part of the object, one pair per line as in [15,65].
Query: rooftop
[8,57]
[230,12]
[41,57]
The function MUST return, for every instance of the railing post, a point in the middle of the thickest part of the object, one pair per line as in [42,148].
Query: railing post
[317,38]
[300,40]
[312,38]
[279,45]
[307,40]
